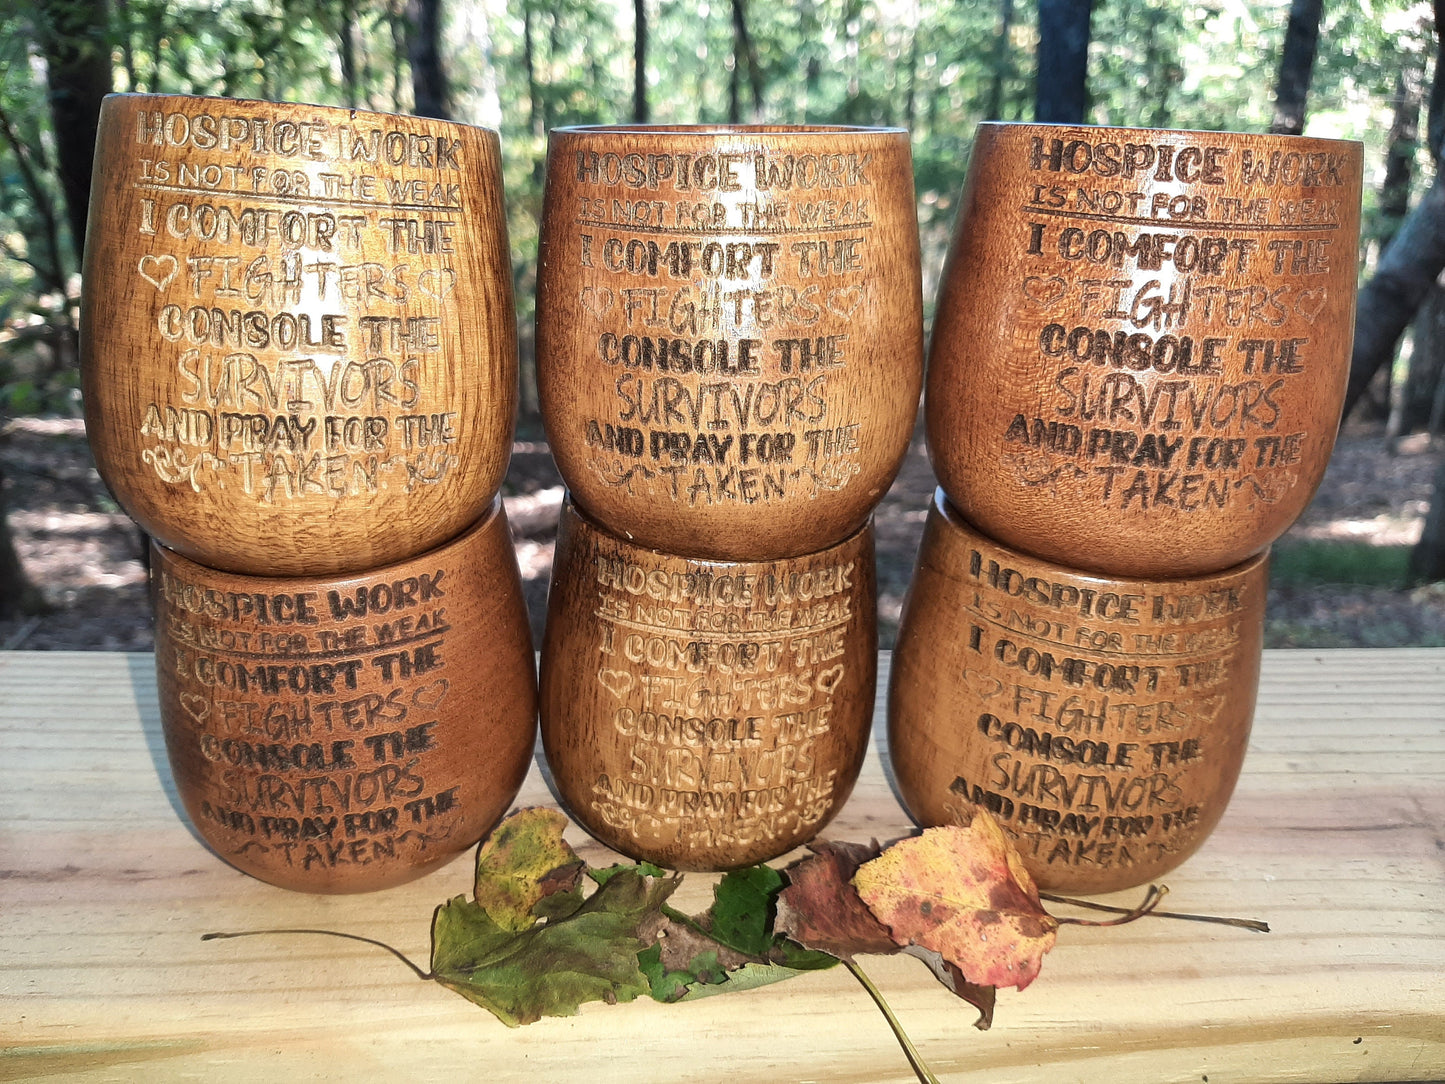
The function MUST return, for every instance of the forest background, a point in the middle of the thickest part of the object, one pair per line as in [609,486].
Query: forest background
[1363,567]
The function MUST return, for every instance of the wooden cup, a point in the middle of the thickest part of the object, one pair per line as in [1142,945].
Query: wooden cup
[1142,341]
[705,715]
[298,343]
[1102,721]
[729,331]
[341,735]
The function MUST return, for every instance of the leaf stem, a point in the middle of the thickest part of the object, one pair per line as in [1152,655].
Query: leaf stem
[915,1060]
[1151,901]
[1138,912]
[425,976]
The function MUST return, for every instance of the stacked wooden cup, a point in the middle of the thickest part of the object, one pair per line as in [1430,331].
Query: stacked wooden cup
[730,357]
[1135,379]
[299,362]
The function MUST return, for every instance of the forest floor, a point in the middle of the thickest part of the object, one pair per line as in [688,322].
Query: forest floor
[86,555]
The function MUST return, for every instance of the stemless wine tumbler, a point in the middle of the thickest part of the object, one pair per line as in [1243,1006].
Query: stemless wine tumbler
[706,715]
[297,334]
[348,733]
[729,331]
[1102,720]
[1142,341]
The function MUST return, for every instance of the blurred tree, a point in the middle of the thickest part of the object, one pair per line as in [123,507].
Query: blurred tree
[1406,271]
[639,61]
[74,38]
[1061,91]
[993,107]
[744,55]
[430,93]
[1296,66]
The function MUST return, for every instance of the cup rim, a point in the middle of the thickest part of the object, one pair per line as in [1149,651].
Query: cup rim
[350,111]
[571,507]
[798,130]
[1001,125]
[941,506]
[485,522]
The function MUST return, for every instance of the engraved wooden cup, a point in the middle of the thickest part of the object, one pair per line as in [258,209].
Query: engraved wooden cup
[706,715]
[297,334]
[1102,721]
[729,331]
[1142,341]
[347,734]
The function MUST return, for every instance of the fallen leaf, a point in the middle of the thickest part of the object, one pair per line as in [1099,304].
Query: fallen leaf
[979,996]
[731,946]
[523,862]
[963,892]
[821,909]
[555,966]
[742,903]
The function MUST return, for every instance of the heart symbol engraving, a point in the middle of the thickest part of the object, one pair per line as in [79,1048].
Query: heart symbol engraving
[829,679]
[984,686]
[1044,291]
[598,300]
[429,696]
[196,705]
[164,273]
[844,301]
[1310,302]
[444,282]
[616,682]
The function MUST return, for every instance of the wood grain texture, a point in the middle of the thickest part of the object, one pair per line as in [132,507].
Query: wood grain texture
[1102,720]
[1142,341]
[347,734]
[1333,837]
[706,714]
[298,344]
[729,331]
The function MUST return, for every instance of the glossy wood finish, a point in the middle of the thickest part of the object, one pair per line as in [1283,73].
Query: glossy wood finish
[341,735]
[1142,341]
[1103,721]
[729,331]
[705,714]
[297,332]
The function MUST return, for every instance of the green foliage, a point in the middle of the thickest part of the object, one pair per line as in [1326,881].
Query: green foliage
[1310,563]
[550,968]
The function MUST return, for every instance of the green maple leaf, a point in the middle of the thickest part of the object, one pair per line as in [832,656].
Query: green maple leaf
[553,967]
[730,947]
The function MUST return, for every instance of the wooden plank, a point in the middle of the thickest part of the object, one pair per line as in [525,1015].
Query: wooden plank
[1336,836]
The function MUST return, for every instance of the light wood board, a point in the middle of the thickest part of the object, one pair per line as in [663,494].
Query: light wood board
[1336,837]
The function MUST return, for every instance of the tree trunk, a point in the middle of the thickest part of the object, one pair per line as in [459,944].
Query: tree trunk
[639,62]
[745,53]
[1061,93]
[1400,156]
[1417,397]
[1402,280]
[1407,269]
[17,594]
[993,107]
[1427,559]
[428,79]
[1296,66]
[74,37]
[346,38]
